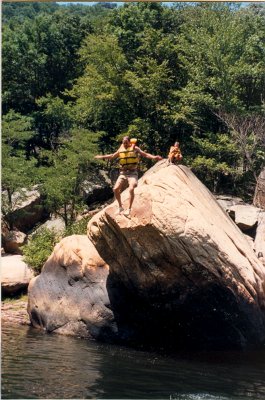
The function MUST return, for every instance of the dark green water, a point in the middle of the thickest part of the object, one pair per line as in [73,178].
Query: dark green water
[41,366]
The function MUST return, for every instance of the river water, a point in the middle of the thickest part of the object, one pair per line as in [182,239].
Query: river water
[40,366]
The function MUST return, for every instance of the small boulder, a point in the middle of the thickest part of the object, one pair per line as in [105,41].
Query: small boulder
[245,216]
[15,274]
[226,202]
[54,224]
[13,240]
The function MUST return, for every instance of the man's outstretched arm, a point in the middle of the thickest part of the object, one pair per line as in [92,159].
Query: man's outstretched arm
[107,156]
[147,155]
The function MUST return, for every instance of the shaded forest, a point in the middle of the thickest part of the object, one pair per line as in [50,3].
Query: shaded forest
[75,79]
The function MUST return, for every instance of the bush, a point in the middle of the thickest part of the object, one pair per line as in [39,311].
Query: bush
[77,228]
[39,248]
[42,242]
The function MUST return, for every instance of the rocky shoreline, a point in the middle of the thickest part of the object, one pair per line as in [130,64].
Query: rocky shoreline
[15,312]
[179,273]
[209,262]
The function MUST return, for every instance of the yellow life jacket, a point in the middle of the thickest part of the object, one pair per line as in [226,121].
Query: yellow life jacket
[128,157]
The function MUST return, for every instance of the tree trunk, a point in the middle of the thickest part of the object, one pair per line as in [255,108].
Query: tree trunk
[259,196]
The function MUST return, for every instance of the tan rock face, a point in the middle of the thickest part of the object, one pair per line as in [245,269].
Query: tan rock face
[181,272]
[259,243]
[69,296]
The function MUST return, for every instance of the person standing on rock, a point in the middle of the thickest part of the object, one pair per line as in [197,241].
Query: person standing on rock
[128,155]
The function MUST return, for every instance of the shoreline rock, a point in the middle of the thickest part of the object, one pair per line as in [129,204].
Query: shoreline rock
[15,312]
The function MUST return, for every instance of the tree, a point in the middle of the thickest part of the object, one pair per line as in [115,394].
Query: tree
[17,171]
[40,56]
[158,73]
[222,53]
[248,134]
[101,94]
[17,12]
[216,160]
[60,183]
[127,87]
[52,121]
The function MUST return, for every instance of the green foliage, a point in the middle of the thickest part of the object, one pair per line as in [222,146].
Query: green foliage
[60,181]
[77,228]
[39,248]
[85,76]
[41,243]
[39,56]
[101,97]
[215,154]
[52,120]
[221,52]
[19,11]
[216,159]
[125,82]
[16,168]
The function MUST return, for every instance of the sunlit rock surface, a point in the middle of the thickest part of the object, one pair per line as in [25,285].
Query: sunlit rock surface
[178,274]
[181,272]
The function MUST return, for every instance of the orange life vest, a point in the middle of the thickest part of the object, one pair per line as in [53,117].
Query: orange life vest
[175,152]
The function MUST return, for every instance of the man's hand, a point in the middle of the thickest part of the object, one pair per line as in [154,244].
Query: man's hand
[158,158]
[98,157]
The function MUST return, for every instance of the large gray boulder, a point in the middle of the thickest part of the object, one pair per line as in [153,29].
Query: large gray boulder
[54,224]
[28,209]
[97,187]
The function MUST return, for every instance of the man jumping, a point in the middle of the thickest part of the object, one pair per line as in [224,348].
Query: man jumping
[128,155]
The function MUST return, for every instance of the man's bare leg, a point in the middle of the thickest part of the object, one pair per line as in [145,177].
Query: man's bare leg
[132,186]
[117,193]
[131,196]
